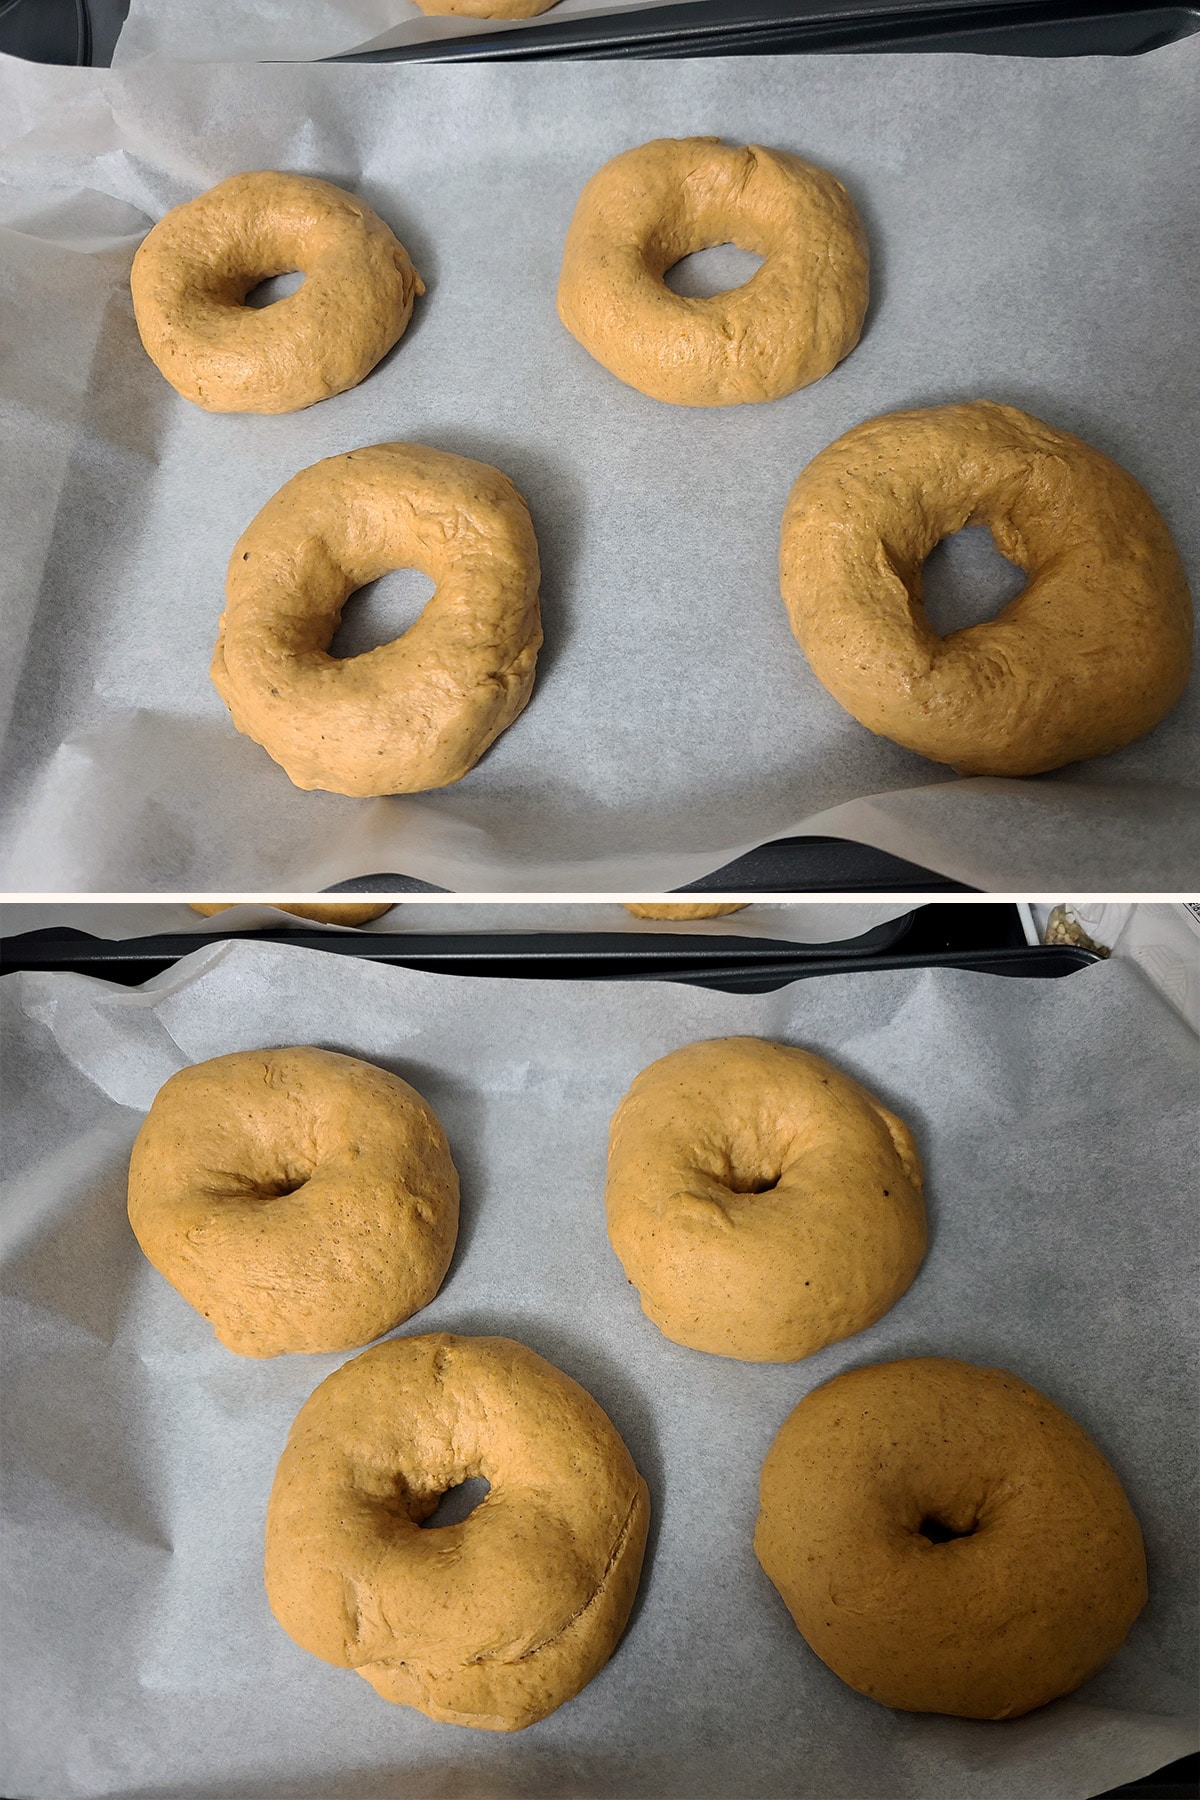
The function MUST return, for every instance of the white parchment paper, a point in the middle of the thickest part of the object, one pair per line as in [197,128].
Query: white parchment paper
[1056,1122]
[806,923]
[302,30]
[675,722]
[1163,940]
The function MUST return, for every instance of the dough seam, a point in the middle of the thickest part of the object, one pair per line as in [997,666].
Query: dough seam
[597,1591]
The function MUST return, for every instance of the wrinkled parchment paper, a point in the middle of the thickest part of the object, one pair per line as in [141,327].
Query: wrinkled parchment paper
[302,30]
[1056,1122]
[800,924]
[675,722]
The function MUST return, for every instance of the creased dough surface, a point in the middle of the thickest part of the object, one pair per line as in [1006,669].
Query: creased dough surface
[419,712]
[762,1203]
[793,321]
[493,1622]
[300,1199]
[193,270]
[1092,653]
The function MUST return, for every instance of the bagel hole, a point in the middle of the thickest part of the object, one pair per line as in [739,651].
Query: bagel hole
[753,1184]
[275,287]
[381,612]
[966,581]
[458,1503]
[280,1185]
[716,270]
[936,1531]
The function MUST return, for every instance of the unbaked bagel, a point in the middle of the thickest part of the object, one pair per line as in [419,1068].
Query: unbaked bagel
[796,317]
[298,1199]
[669,910]
[193,270]
[1091,654]
[337,914]
[493,1622]
[762,1203]
[947,1540]
[413,714]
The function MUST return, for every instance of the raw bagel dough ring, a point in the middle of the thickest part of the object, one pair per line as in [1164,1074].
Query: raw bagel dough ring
[350,914]
[493,1622]
[669,910]
[1092,653]
[791,323]
[762,1203]
[299,1199]
[419,712]
[1033,1599]
[193,270]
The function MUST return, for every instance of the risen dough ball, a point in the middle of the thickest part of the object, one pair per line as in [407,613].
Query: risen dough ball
[669,910]
[1093,651]
[947,1540]
[414,714]
[193,270]
[299,1199]
[797,316]
[762,1203]
[493,1622]
[350,914]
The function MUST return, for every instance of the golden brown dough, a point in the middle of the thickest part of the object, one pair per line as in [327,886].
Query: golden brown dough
[1031,1573]
[493,1622]
[350,914]
[762,1203]
[797,316]
[669,910]
[193,270]
[1091,654]
[299,1199]
[413,714]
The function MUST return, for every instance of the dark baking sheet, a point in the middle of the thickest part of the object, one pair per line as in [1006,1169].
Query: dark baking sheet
[1177,1781]
[86,31]
[816,865]
[772,27]
[987,939]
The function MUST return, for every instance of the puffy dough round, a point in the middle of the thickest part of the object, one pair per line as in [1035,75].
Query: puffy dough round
[419,712]
[669,910]
[349,914]
[193,270]
[1092,653]
[791,323]
[762,1203]
[493,1622]
[1033,1569]
[299,1199]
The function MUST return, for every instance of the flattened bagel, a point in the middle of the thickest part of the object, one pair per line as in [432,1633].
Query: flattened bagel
[947,1540]
[299,1199]
[669,910]
[493,1622]
[791,323]
[349,914]
[762,1203]
[193,270]
[1093,652]
[326,915]
[419,712]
